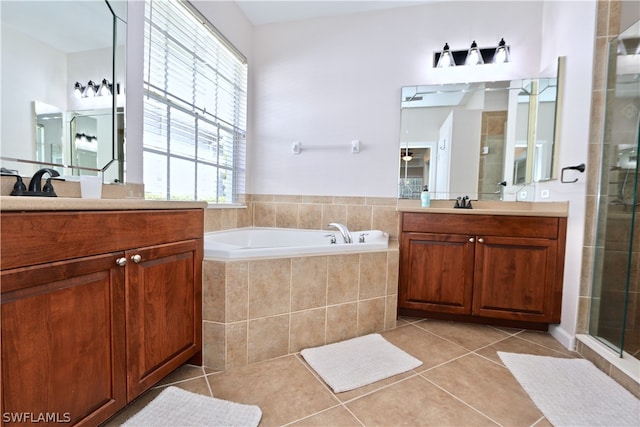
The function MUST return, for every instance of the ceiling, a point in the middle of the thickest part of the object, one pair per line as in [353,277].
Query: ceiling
[269,12]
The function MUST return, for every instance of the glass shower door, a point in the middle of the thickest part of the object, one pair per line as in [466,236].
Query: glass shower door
[615,298]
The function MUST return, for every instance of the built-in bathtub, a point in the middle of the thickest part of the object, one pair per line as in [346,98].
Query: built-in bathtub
[267,294]
[260,242]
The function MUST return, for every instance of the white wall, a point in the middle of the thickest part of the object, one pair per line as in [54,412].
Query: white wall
[567,26]
[24,80]
[329,81]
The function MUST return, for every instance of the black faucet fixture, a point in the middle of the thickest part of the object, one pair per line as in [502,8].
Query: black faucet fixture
[35,185]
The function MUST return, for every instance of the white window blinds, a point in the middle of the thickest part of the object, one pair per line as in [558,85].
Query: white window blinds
[194,109]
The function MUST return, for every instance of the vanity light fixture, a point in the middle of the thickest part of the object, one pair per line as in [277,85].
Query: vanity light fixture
[473,56]
[502,53]
[446,58]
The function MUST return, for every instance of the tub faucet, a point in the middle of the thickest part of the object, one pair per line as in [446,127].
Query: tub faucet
[346,234]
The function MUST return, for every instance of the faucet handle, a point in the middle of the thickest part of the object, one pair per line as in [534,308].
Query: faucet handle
[48,188]
[18,188]
[361,239]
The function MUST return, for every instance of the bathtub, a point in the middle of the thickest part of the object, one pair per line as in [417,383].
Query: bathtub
[267,242]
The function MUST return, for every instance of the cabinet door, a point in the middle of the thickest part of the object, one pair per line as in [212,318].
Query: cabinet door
[436,272]
[63,354]
[514,278]
[163,306]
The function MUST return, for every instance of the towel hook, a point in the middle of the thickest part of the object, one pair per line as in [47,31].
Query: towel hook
[580,168]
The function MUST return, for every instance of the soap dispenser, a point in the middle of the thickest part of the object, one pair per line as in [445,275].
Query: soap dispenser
[425,197]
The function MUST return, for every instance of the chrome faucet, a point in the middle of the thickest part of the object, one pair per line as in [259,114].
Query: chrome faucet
[346,234]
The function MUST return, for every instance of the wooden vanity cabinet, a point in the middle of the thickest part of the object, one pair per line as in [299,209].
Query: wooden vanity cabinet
[96,307]
[497,269]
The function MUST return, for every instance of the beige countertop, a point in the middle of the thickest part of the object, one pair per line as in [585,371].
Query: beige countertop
[19,203]
[489,207]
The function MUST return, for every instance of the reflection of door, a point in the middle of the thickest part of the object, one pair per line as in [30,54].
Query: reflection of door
[441,187]
[84,142]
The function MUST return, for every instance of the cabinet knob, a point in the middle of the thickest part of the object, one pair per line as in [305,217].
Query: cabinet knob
[121,261]
[480,240]
[136,258]
[471,239]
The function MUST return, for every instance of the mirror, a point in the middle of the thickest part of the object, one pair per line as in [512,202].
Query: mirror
[486,140]
[48,46]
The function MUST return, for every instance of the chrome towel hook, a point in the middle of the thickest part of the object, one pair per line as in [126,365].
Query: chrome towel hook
[580,168]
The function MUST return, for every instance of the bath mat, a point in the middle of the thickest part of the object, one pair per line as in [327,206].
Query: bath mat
[177,407]
[357,362]
[573,392]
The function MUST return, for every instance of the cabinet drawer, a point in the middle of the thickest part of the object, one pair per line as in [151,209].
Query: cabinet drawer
[31,238]
[478,225]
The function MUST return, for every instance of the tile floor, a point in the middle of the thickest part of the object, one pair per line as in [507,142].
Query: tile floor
[462,382]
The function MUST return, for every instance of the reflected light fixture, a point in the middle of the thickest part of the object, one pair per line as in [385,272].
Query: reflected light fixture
[446,58]
[106,88]
[408,155]
[78,90]
[91,90]
[474,56]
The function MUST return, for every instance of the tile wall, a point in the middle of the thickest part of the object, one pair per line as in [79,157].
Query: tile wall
[261,309]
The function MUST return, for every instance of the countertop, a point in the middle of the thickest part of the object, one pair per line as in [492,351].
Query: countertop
[489,207]
[17,203]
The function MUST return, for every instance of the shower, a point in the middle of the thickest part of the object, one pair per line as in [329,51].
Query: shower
[615,297]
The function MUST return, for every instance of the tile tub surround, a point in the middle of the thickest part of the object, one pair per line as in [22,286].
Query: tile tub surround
[307,212]
[262,309]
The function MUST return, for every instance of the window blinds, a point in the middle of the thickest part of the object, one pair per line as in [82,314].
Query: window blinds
[195,107]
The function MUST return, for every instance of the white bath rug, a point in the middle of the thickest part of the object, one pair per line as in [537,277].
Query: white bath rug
[176,407]
[573,392]
[357,362]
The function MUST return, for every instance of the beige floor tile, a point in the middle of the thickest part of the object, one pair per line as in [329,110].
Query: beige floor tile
[487,387]
[414,402]
[284,389]
[430,349]
[517,345]
[546,340]
[183,373]
[335,417]
[467,335]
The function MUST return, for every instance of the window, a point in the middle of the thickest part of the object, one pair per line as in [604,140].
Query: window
[194,108]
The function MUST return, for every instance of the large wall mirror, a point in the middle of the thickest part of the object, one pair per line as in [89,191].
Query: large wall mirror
[63,69]
[484,140]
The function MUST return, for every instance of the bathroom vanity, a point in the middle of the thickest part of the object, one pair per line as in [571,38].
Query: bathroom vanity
[500,263]
[98,304]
